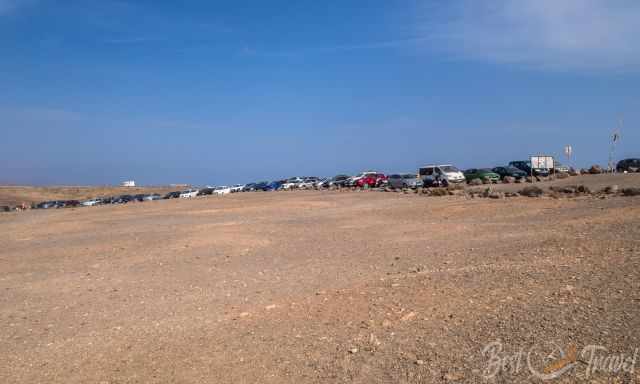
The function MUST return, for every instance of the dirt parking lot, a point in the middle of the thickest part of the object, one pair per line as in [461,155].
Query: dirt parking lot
[296,287]
[15,195]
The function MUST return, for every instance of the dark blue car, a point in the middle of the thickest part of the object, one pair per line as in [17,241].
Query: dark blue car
[274,186]
[261,186]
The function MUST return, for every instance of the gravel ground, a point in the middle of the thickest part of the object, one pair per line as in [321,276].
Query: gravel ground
[321,287]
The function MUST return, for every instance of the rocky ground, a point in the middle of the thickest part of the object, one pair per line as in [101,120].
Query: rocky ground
[323,287]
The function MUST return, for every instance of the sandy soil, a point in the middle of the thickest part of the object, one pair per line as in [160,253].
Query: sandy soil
[317,287]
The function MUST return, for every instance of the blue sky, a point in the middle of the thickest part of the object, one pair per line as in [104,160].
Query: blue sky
[218,92]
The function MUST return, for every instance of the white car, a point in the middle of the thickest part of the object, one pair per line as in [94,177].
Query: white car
[292,183]
[237,188]
[152,197]
[91,203]
[308,183]
[189,193]
[222,190]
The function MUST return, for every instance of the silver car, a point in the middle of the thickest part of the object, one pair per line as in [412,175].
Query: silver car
[405,180]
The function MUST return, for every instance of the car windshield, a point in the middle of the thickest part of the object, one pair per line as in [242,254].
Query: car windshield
[408,176]
[449,168]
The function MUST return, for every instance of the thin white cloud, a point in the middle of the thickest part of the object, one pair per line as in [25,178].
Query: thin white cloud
[558,34]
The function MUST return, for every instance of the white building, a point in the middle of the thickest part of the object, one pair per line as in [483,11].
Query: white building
[128,183]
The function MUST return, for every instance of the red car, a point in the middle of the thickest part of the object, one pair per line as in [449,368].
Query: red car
[381,179]
[372,180]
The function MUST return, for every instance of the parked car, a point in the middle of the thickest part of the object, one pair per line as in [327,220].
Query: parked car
[628,165]
[274,185]
[323,183]
[405,180]
[91,202]
[122,199]
[482,174]
[510,171]
[440,175]
[292,183]
[339,181]
[152,197]
[261,186]
[308,183]
[525,165]
[205,191]
[353,180]
[237,188]
[47,205]
[172,195]
[560,168]
[222,190]
[368,181]
[189,193]
[381,179]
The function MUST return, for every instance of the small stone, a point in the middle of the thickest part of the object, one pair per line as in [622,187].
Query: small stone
[453,376]
[353,350]
[531,191]
[408,316]
[613,189]
[496,195]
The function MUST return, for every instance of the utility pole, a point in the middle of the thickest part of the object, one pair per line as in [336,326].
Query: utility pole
[615,137]
[568,150]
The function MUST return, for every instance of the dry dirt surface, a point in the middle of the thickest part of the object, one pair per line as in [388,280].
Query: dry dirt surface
[305,287]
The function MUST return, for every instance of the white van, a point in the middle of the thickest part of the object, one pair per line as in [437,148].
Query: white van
[440,175]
